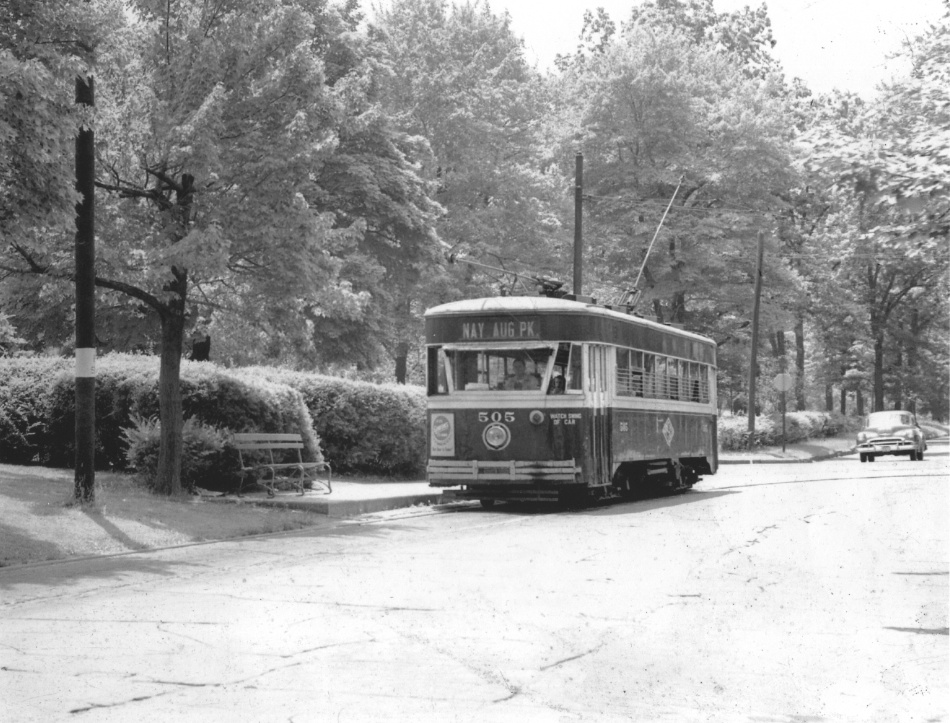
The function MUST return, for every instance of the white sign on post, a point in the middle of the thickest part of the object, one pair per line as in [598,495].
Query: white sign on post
[783,382]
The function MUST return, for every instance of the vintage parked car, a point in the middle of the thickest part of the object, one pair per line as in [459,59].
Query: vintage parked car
[893,432]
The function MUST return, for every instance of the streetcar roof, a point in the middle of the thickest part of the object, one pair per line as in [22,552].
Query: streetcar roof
[536,304]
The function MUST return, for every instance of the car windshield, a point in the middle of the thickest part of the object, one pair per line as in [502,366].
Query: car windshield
[889,419]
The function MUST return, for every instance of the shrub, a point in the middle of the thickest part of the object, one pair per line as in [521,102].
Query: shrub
[24,403]
[209,459]
[364,427]
[127,388]
[799,426]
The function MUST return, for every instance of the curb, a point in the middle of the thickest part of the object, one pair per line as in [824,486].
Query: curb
[339,508]
[805,460]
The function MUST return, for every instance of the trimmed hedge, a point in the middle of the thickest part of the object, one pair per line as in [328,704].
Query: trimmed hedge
[38,398]
[365,428]
[25,387]
[362,427]
[799,426]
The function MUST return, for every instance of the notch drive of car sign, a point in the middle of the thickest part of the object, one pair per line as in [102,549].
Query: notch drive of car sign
[565,417]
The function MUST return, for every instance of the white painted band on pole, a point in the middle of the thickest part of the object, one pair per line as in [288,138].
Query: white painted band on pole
[85,363]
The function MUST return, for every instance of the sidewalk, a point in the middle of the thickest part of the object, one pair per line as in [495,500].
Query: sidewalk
[354,497]
[814,450]
[349,498]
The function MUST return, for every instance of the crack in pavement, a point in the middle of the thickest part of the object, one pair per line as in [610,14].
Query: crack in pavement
[97,706]
[573,657]
[920,631]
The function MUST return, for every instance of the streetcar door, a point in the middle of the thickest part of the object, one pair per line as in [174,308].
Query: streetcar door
[598,437]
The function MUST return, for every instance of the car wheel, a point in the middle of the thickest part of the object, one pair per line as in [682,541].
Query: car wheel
[870,458]
[486,503]
[863,456]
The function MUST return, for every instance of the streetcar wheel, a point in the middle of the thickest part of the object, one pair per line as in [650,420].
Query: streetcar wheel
[486,503]
[864,457]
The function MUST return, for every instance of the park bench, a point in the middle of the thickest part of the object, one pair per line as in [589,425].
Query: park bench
[271,459]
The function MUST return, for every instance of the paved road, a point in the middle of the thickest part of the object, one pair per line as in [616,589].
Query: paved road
[778,594]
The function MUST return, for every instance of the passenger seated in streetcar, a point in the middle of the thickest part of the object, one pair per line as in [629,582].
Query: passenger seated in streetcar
[520,379]
[557,384]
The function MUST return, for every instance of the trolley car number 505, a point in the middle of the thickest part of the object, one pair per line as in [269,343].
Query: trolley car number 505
[496,416]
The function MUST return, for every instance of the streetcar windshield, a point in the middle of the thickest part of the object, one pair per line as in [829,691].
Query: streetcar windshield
[499,369]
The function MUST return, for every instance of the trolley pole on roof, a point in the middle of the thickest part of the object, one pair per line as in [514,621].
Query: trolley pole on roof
[578,223]
[753,361]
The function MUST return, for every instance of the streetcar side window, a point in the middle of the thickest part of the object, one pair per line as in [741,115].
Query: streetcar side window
[624,376]
[636,373]
[673,372]
[662,383]
[575,377]
[437,379]
[649,376]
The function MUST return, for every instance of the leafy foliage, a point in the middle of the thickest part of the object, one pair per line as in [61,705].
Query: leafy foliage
[208,460]
[364,428]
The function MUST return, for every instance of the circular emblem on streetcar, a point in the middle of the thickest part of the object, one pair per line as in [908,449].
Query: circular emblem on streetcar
[496,436]
[441,427]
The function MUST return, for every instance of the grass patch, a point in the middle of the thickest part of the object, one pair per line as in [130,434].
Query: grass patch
[39,520]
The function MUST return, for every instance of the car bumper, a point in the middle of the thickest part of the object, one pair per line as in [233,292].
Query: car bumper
[881,448]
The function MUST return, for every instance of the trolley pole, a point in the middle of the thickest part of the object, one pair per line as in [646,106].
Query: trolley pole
[755,335]
[85,470]
[578,224]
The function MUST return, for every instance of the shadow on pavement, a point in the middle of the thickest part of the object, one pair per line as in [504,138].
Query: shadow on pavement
[60,572]
[618,506]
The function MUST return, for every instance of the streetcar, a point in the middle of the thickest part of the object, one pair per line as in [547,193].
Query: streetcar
[560,399]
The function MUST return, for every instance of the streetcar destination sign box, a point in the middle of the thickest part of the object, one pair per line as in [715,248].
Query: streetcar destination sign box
[500,329]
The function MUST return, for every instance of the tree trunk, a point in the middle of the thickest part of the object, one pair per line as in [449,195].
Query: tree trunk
[879,369]
[912,359]
[168,478]
[678,308]
[829,398]
[859,402]
[800,401]
[172,315]
[899,380]
[844,401]
[402,352]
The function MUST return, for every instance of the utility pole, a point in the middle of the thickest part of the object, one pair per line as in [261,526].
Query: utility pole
[755,335]
[85,469]
[578,223]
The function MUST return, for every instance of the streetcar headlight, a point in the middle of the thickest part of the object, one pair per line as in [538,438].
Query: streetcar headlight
[536,416]
[496,436]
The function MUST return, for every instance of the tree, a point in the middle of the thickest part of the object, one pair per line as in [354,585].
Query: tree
[212,120]
[44,45]
[665,118]
[887,170]
[460,80]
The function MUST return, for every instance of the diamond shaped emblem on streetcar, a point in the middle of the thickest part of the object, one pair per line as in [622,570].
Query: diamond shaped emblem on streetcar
[668,432]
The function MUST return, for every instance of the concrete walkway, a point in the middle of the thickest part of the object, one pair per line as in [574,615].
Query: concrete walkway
[357,497]
[348,498]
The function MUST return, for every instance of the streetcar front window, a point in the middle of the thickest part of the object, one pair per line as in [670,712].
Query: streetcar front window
[505,369]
